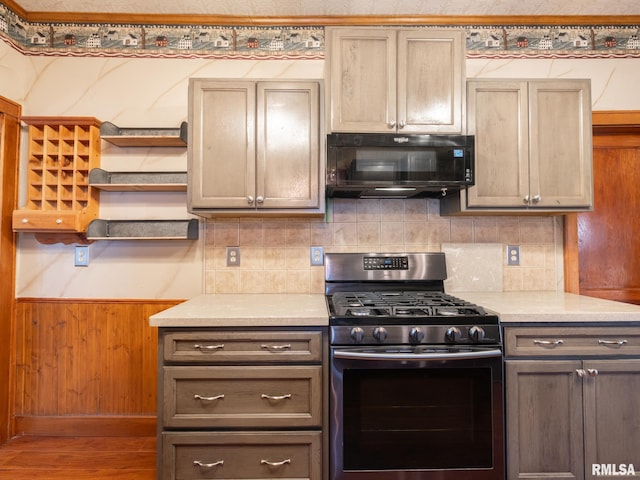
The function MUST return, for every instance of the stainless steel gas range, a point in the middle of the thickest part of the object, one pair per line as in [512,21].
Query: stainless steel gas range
[416,374]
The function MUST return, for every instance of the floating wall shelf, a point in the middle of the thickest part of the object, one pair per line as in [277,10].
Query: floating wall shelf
[143,229]
[138,181]
[144,137]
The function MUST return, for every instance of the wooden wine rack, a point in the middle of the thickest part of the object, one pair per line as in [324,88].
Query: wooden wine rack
[62,152]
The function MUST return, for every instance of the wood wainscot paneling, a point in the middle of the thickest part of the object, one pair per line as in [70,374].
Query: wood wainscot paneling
[86,367]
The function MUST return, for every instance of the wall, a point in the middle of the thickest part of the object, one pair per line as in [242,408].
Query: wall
[153,92]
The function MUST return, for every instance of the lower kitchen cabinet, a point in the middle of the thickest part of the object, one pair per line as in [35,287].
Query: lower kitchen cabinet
[572,401]
[242,403]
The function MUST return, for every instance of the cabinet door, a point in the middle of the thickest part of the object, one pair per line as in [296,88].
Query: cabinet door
[221,160]
[362,65]
[561,151]
[430,79]
[612,416]
[497,114]
[544,420]
[288,145]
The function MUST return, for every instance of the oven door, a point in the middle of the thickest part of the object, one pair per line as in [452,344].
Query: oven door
[416,413]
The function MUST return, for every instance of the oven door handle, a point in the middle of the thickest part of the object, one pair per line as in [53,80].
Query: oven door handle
[346,354]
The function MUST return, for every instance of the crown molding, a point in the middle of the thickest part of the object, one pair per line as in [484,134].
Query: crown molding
[318,20]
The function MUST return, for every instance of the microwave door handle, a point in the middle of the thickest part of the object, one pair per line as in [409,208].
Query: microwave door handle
[403,357]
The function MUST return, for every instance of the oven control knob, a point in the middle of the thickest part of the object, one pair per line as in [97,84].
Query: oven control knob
[357,334]
[416,335]
[453,334]
[380,334]
[476,333]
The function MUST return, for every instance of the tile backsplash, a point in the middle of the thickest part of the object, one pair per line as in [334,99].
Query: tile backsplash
[275,252]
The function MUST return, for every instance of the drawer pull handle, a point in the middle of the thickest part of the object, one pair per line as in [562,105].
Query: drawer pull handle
[616,343]
[275,464]
[592,372]
[208,399]
[198,463]
[276,348]
[276,397]
[208,348]
[548,343]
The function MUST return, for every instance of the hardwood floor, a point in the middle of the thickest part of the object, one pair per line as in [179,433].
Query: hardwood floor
[78,458]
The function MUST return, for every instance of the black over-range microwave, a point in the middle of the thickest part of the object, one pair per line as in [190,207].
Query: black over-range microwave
[369,165]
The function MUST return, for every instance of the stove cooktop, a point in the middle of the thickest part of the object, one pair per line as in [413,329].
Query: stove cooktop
[401,305]
[399,299]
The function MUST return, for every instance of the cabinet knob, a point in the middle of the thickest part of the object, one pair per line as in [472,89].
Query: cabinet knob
[580,371]
[260,200]
[58,221]
[536,198]
[249,199]
[25,220]
[593,372]
[392,124]
[402,125]
[526,199]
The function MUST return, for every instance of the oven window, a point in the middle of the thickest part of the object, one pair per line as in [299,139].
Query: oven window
[417,419]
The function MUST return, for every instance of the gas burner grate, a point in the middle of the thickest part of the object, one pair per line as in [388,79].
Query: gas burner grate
[402,304]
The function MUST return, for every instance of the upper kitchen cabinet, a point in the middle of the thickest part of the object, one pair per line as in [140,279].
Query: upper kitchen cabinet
[384,80]
[533,150]
[254,148]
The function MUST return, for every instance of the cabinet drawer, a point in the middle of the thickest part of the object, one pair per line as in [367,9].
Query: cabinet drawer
[572,341]
[26,220]
[241,455]
[243,346]
[241,396]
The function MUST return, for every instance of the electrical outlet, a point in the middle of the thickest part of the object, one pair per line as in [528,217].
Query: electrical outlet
[317,256]
[82,256]
[513,255]
[233,256]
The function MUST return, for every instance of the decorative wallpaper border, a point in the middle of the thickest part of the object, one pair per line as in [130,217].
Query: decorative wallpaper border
[299,42]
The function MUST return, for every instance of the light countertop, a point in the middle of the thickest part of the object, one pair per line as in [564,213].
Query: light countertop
[547,307]
[246,310]
[273,310]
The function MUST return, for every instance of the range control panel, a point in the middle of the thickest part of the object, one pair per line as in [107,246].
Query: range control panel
[386,263]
